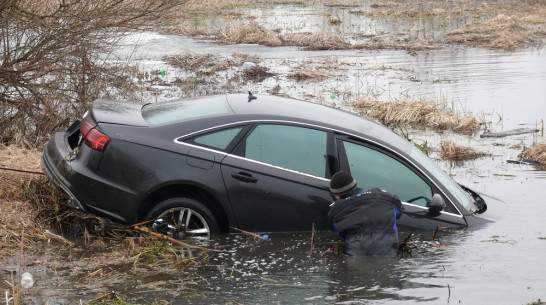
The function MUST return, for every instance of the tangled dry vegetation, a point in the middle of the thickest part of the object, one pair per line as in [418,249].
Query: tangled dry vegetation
[419,113]
[537,153]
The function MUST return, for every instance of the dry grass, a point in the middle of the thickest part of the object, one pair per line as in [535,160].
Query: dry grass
[257,73]
[384,4]
[334,20]
[205,5]
[450,151]
[419,113]
[185,28]
[316,41]
[418,45]
[208,64]
[501,31]
[536,153]
[15,210]
[308,75]
[251,33]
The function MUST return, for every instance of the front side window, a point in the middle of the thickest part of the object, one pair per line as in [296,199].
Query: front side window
[372,168]
[292,147]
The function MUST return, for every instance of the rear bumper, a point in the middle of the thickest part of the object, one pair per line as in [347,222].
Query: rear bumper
[76,172]
[56,160]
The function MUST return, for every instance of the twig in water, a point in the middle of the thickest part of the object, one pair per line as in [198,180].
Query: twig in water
[255,236]
[172,240]
[436,231]
[313,232]
[403,245]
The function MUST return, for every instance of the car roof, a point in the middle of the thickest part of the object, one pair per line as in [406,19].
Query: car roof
[290,109]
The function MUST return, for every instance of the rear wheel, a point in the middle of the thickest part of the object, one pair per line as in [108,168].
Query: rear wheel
[183,218]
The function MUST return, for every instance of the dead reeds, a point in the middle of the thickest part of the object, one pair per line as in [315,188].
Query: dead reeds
[256,73]
[315,41]
[253,33]
[419,113]
[308,75]
[450,151]
[500,32]
[536,153]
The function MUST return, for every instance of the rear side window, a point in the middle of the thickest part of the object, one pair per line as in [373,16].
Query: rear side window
[184,110]
[218,139]
[291,147]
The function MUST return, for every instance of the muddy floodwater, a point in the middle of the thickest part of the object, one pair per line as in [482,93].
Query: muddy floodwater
[501,263]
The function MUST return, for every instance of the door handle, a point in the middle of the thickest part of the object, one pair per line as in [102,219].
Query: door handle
[244,177]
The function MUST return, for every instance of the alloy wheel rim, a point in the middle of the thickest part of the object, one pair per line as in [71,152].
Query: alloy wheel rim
[182,223]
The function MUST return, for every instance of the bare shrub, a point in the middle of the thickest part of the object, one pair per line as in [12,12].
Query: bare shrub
[450,151]
[54,59]
[536,152]
[419,113]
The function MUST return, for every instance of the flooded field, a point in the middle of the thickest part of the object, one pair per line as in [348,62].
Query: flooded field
[502,263]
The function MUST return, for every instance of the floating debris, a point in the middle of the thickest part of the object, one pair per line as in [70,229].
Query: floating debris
[512,132]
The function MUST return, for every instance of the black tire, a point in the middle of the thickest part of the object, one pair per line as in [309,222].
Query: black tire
[171,218]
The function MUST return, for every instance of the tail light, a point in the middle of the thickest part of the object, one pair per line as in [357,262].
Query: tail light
[94,138]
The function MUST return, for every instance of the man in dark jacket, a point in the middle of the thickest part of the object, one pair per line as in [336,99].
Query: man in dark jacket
[366,219]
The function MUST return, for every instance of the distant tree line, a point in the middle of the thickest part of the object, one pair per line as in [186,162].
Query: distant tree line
[54,59]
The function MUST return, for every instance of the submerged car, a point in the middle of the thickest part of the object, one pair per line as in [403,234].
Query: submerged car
[257,163]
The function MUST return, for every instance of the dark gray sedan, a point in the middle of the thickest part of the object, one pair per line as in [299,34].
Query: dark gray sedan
[257,163]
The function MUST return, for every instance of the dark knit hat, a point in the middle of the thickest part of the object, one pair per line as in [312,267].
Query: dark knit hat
[341,183]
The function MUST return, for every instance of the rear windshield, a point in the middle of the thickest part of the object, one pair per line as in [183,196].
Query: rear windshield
[185,110]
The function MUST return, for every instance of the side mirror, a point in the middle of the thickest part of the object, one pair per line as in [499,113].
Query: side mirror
[437,204]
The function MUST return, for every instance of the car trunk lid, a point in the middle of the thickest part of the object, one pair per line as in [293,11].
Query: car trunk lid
[118,112]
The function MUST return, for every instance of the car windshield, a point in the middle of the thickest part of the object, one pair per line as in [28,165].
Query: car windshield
[464,198]
[183,110]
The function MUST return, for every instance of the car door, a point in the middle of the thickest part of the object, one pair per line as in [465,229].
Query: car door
[277,178]
[375,166]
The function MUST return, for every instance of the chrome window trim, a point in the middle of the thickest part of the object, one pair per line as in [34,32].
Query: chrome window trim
[425,208]
[181,138]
